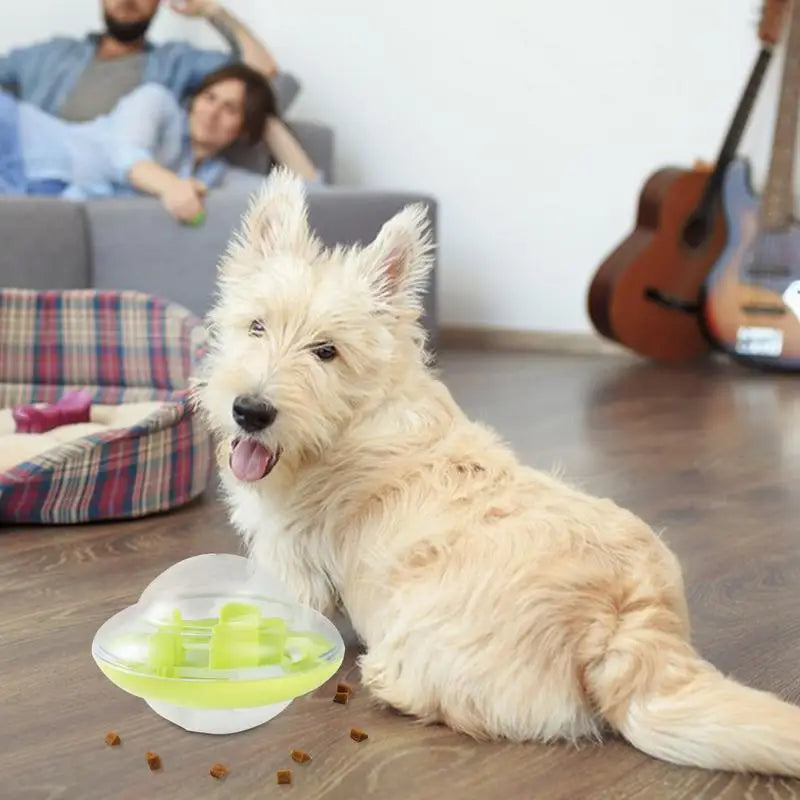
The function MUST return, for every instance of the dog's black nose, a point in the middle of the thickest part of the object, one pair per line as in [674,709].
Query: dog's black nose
[252,414]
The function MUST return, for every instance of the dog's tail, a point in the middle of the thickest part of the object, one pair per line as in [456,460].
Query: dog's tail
[667,701]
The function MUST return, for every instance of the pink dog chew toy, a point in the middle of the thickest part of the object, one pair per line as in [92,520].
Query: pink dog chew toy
[71,408]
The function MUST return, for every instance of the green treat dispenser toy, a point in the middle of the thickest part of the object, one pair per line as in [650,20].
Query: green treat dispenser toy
[215,644]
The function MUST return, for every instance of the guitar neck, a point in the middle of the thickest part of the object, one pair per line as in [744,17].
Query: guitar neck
[778,195]
[730,145]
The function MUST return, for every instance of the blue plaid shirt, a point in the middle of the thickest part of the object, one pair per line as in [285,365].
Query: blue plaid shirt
[44,74]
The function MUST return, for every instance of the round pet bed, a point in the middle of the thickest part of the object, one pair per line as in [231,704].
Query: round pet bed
[144,450]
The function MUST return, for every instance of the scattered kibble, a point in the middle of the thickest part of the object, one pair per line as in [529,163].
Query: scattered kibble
[300,756]
[218,771]
[153,760]
[341,697]
[112,739]
[358,735]
[284,776]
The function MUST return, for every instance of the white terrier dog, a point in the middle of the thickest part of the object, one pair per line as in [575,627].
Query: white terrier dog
[490,597]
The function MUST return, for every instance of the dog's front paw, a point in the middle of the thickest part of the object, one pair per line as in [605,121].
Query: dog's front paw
[391,686]
[307,586]
[285,557]
[311,589]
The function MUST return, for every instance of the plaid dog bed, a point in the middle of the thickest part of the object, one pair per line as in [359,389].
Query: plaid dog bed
[122,347]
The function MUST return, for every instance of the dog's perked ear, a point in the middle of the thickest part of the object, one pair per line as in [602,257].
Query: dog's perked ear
[276,221]
[398,261]
[278,218]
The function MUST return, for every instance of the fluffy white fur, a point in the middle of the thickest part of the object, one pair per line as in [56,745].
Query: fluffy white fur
[490,597]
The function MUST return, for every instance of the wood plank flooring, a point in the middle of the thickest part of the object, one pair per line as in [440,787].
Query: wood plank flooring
[710,456]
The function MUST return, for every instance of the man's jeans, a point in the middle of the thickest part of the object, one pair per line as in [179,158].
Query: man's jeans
[12,173]
[12,168]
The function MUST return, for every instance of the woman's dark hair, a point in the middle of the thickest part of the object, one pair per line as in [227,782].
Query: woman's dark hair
[259,99]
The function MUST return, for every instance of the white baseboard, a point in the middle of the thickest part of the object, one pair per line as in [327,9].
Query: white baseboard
[484,338]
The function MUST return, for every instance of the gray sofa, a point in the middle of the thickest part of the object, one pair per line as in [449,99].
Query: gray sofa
[131,242]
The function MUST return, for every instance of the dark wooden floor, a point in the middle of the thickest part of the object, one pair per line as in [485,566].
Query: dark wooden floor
[711,456]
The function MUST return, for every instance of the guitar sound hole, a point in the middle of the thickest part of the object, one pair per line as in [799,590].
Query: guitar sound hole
[696,231]
[671,301]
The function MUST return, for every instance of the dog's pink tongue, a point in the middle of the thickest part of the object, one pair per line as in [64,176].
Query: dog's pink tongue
[250,460]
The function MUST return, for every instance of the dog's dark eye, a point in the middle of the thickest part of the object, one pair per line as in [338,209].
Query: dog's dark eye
[324,352]
[256,328]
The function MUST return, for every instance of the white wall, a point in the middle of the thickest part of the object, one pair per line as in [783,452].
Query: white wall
[534,124]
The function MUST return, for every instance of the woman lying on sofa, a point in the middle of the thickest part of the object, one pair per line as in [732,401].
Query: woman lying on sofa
[148,143]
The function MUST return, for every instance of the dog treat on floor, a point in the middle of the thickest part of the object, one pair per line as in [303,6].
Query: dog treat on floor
[300,756]
[358,735]
[153,760]
[341,697]
[218,771]
[344,687]
[284,776]
[112,739]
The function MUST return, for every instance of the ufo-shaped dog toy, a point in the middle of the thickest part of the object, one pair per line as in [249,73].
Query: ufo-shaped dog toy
[216,645]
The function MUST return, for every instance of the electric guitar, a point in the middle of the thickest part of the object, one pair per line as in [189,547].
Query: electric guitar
[751,305]
[646,295]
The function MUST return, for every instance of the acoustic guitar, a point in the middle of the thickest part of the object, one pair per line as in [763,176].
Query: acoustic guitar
[647,293]
[751,303]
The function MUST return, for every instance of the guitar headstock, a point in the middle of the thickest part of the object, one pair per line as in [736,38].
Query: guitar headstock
[772,16]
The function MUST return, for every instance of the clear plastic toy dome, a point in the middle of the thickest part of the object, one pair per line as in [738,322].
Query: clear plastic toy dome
[218,645]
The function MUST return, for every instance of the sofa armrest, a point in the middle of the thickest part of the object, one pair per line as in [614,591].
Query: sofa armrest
[318,141]
[286,88]
[135,245]
[314,137]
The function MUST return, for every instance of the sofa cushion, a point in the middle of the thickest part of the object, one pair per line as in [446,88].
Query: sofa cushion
[137,245]
[44,244]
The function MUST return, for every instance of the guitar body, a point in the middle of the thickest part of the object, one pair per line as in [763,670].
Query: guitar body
[669,253]
[647,294]
[751,306]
